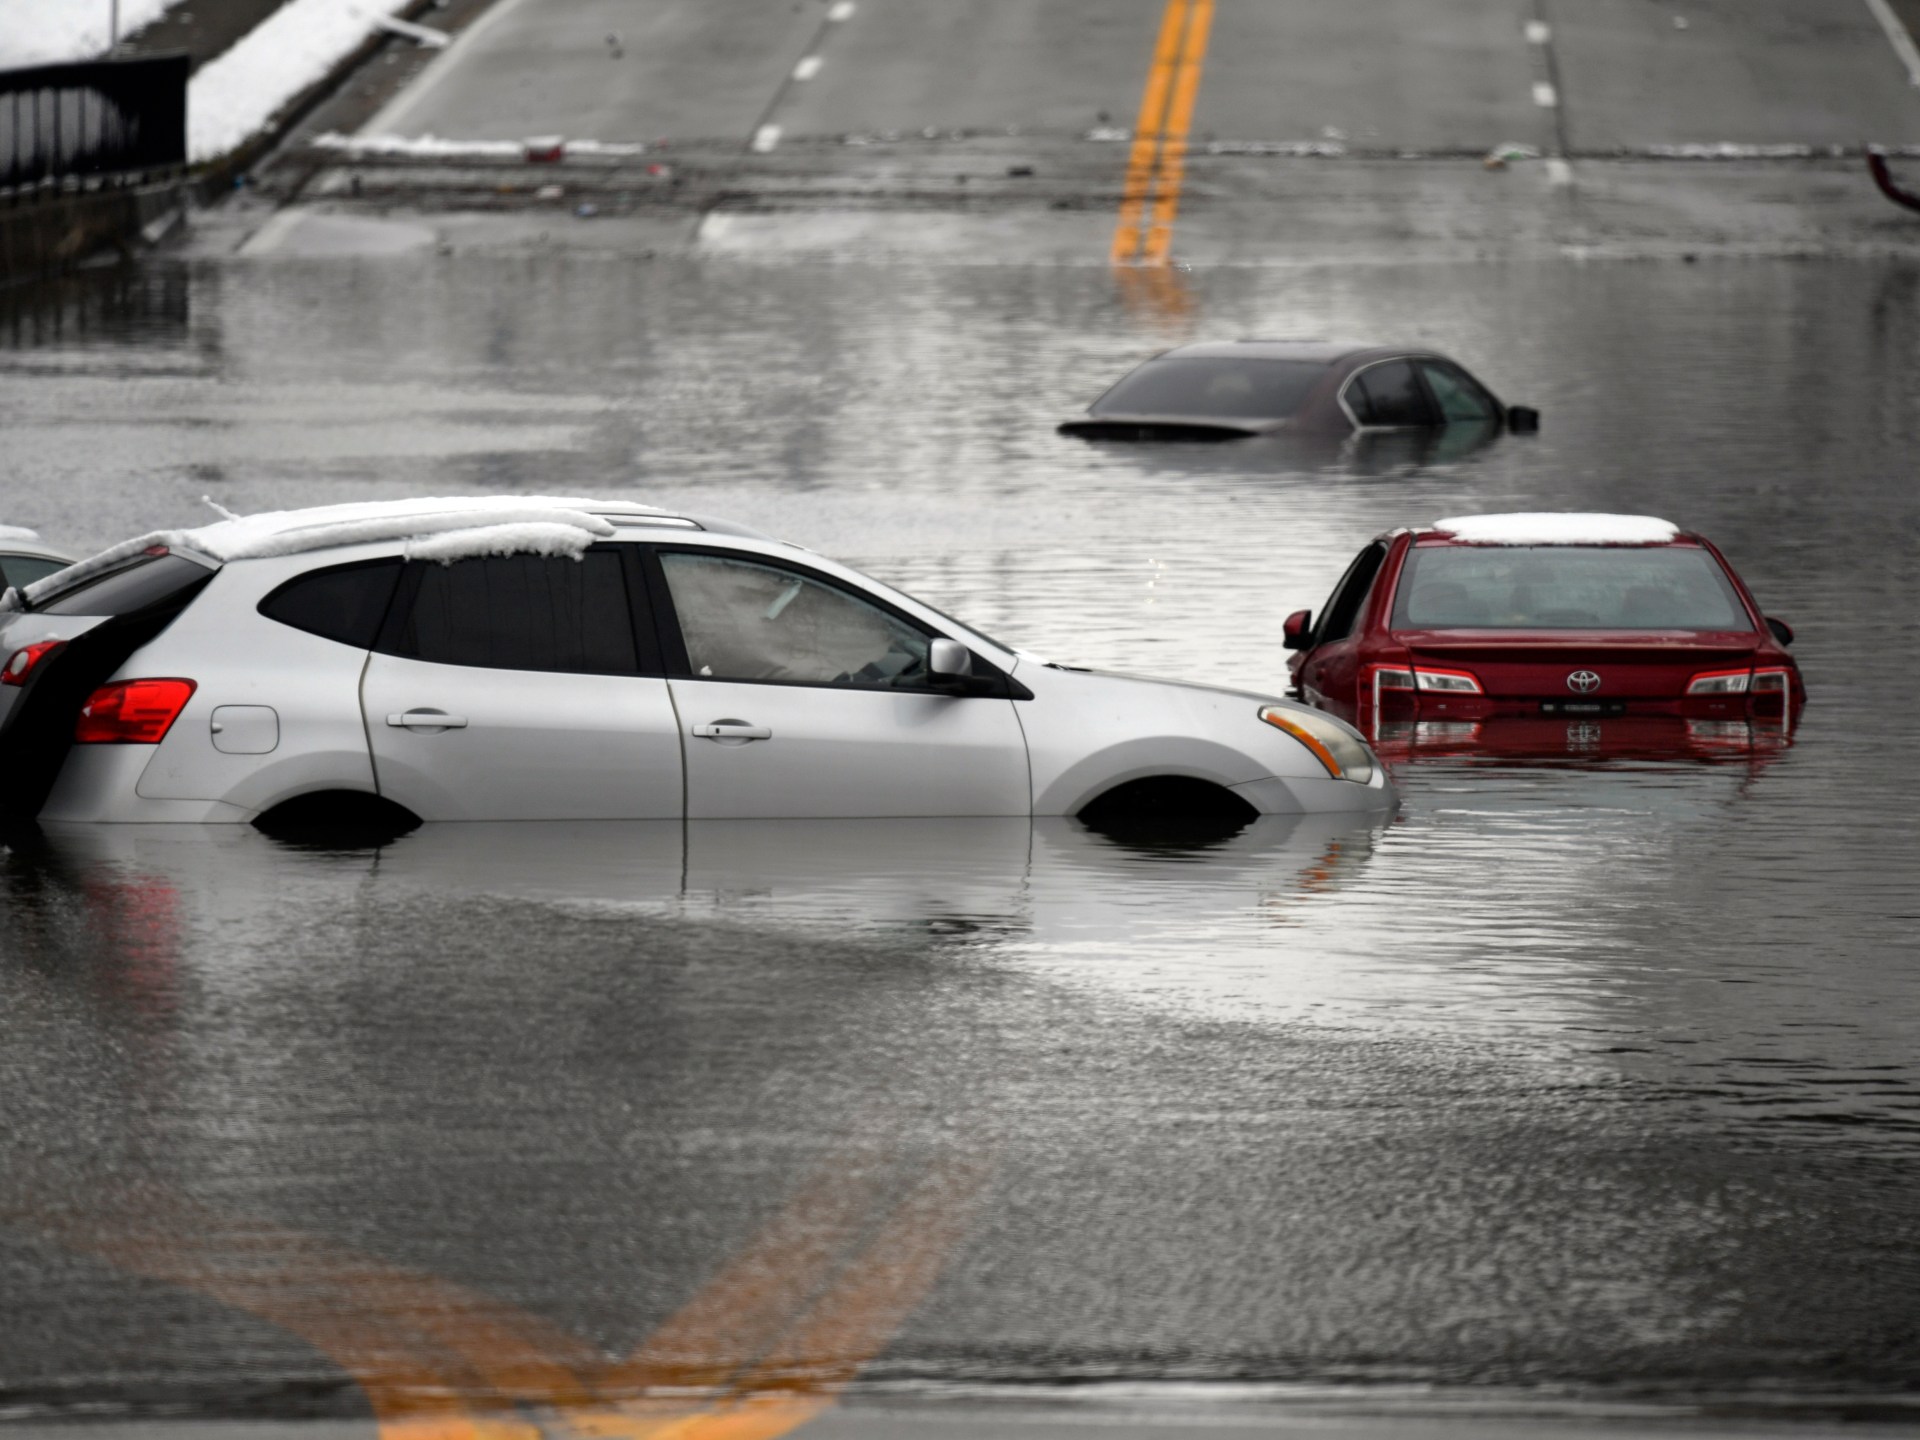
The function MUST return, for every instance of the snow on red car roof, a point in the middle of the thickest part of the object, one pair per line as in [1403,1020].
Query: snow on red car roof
[1557,528]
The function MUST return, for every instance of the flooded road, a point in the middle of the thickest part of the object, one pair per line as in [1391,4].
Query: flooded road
[1591,1077]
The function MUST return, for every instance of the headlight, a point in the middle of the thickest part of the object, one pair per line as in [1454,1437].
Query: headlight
[1345,757]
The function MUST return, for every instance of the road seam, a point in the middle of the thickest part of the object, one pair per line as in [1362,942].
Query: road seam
[766,134]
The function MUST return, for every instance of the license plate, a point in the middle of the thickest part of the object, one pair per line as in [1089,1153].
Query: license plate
[1583,707]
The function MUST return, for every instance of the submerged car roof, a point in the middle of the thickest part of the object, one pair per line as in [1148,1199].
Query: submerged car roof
[1324,352]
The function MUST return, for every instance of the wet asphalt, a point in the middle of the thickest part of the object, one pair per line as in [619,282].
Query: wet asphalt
[1582,1089]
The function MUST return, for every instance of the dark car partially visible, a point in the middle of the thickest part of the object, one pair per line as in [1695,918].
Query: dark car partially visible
[1229,390]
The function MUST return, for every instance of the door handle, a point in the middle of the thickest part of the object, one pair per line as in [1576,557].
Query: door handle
[732,730]
[427,720]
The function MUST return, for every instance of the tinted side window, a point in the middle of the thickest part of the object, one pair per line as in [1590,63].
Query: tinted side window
[519,612]
[1343,606]
[1460,396]
[1392,396]
[149,581]
[344,602]
[742,620]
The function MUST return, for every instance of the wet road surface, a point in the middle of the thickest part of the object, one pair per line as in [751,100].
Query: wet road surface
[1585,1086]
[1586,1076]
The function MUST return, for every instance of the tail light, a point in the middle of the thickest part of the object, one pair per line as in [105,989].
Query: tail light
[1451,682]
[1770,682]
[20,664]
[1720,682]
[132,712]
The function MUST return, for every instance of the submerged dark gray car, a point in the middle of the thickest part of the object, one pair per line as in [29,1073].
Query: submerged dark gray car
[1228,390]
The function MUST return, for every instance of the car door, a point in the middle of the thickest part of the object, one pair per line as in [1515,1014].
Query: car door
[799,696]
[1462,399]
[523,687]
[1329,670]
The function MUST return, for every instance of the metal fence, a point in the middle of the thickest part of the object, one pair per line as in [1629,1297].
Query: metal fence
[101,118]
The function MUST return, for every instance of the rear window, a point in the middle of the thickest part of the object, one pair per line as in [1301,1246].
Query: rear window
[343,602]
[148,581]
[1566,587]
[1221,386]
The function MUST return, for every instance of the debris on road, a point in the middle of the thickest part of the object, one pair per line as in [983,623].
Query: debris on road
[1497,158]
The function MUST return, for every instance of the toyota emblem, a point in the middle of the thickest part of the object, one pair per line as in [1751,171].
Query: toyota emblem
[1583,682]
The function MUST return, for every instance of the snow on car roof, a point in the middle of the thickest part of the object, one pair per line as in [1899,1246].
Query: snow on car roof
[444,529]
[18,532]
[1558,528]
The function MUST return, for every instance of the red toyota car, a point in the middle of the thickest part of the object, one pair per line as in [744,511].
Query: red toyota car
[1550,616]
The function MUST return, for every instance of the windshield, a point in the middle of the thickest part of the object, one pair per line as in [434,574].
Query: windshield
[1215,385]
[1566,587]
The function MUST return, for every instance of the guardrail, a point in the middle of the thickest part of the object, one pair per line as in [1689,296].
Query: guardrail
[99,120]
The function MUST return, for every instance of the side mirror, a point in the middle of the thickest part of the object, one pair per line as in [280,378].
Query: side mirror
[1295,634]
[950,669]
[1522,419]
[949,657]
[1782,631]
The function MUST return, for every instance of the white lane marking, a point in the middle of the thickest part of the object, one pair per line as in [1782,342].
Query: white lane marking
[841,10]
[807,68]
[1539,32]
[1544,96]
[1898,37]
[765,138]
[1559,172]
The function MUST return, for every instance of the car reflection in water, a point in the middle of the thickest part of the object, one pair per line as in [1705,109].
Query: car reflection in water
[1368,454]
[1559,741]
[1043,882]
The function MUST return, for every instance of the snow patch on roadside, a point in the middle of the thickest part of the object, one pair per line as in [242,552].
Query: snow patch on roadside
[434,147]
[45,32]
[233,97]
[1559,528]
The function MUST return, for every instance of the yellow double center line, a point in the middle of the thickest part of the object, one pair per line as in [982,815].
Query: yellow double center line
[1157,165]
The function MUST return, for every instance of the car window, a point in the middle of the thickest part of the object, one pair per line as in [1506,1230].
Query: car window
[1569,587]
[342,602]
[148,581]
[519,612]
[1460,396]
[23,570]
[743,620]
[1389,394]
[1343,606]
[1213,385]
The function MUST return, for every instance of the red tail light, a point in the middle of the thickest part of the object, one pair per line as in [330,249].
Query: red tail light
[20,664]
[132,712]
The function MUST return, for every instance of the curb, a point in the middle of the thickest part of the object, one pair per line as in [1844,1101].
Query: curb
[216,177]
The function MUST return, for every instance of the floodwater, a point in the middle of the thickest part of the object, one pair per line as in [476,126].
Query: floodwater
[1579,1073]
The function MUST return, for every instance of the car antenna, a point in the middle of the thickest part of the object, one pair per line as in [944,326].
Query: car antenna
[222,511]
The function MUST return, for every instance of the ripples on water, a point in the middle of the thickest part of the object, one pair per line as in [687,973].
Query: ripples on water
[1735,940]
